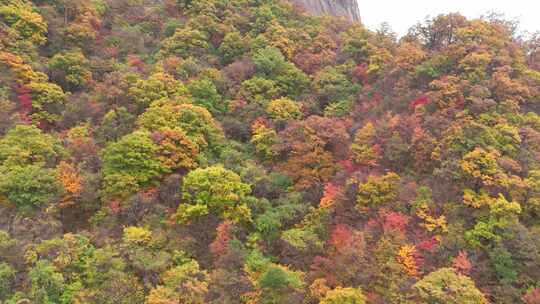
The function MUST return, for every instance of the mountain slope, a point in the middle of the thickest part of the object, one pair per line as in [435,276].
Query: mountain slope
[245,152]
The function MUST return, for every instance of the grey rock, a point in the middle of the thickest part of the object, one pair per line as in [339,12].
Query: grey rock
[341,8]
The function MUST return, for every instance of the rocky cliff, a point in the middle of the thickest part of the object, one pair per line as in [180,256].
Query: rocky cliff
[344,8]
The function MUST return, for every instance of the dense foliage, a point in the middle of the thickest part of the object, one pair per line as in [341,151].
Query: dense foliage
[241,151]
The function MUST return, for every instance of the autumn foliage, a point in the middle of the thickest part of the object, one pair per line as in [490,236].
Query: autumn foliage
[229,152]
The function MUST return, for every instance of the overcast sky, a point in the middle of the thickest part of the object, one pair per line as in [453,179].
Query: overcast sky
[401,15]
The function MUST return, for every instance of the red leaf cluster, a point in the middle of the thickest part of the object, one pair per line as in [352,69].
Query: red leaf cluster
[420,101]
[532,296]
[223,236]
[394,221]
[25,100]
[114,207]
[429,244]
[462,264]
[332,194]
[343,237]
[359,73]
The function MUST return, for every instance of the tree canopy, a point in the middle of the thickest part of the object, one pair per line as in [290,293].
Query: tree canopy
[248,152]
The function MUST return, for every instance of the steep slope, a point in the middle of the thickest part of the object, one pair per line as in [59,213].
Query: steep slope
[248,152]
[342,8]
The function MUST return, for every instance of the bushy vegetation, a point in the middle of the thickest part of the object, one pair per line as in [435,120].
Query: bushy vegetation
[241,151]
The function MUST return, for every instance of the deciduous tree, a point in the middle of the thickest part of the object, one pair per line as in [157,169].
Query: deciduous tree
[214,190]
[446,286]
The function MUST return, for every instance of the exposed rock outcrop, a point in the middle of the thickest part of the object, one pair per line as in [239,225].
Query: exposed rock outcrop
[343,8]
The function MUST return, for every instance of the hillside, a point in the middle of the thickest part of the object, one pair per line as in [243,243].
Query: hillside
[243,151]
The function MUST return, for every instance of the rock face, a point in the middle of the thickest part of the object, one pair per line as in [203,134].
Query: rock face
[343,8]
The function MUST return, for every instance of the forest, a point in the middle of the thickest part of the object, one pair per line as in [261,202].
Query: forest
[246,152]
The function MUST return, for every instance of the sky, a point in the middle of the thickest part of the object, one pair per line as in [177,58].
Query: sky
[401,15]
